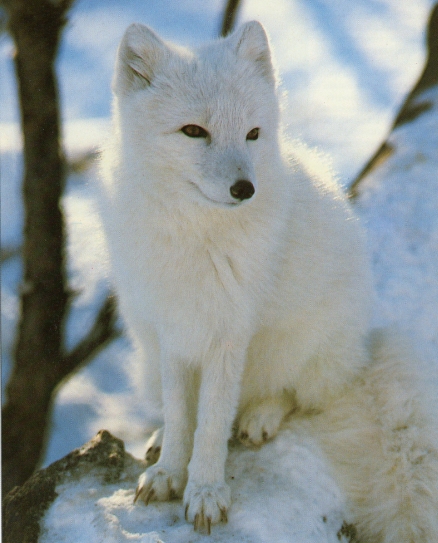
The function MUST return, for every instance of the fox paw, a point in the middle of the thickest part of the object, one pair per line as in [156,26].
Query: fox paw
[153,446]
[159,483]
[206,504]
[261,421]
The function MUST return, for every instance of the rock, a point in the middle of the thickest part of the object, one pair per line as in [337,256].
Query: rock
[104,456]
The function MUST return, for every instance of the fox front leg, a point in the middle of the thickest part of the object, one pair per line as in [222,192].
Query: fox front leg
[167,478]
[207,497]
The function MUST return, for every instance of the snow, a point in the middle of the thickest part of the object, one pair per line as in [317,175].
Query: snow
[289,472]
[344,85]
[399,203]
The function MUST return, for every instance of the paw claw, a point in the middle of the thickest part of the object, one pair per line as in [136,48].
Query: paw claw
[224,515]
[172,494]
[149,496]
[206,505]
[159,483]
[137,494]
[260,421]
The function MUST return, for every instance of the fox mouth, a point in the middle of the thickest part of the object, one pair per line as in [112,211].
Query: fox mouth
[212,200]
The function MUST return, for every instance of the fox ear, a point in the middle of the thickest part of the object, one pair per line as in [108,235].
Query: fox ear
[138,56]
[251,42]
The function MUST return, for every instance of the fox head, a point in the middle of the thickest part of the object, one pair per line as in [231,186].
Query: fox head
[199,122]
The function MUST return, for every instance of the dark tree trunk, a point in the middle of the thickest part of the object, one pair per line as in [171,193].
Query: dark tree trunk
[35,27]
[40,363]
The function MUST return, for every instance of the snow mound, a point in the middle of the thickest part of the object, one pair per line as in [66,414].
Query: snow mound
[399,203]
[281,492]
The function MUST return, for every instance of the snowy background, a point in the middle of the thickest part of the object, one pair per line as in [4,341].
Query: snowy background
[346,67]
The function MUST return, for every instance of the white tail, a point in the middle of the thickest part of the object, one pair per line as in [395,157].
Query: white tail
[381,438]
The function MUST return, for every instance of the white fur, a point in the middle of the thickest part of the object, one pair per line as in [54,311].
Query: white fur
[381,437]
[243,309]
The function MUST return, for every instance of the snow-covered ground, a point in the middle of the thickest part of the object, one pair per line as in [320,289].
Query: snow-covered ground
[399,204]
[282,493]
[346,69]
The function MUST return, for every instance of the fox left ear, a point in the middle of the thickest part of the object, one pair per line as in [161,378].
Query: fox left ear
[140,53]
[251,42]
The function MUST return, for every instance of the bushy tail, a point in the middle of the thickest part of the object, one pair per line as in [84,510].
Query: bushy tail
[381,438]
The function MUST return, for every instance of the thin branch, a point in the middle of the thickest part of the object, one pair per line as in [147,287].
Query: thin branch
[379,157]
[103,331]
[9,252]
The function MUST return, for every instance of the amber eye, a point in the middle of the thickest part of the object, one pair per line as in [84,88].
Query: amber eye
[194,131]
[253,134]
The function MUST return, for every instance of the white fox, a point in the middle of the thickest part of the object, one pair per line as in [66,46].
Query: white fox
[246,281]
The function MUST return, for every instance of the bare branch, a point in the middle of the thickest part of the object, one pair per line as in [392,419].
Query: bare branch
[9,252]
[102,332]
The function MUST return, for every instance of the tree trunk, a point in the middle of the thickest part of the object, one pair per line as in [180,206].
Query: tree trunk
[35,27]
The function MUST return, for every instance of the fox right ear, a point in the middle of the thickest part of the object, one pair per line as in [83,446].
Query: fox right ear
[138,56]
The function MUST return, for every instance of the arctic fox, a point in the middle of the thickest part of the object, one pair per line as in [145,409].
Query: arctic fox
[245,278]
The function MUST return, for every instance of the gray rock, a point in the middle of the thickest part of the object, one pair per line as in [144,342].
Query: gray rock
[104,456]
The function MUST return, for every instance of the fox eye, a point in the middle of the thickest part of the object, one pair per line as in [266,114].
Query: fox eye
[253,134]
[194,131]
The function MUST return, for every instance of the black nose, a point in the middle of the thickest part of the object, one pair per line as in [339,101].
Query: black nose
[242,190]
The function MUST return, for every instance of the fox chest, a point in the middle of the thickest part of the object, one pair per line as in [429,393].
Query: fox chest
[193,286]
